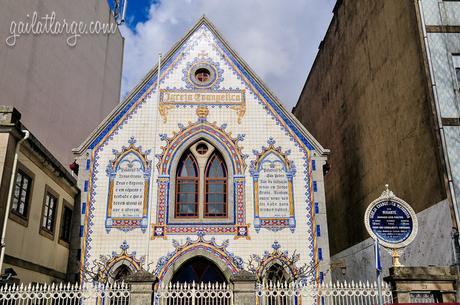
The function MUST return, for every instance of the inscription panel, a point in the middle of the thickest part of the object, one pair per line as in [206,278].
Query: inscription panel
[272,174]
[273,190]
[129,180]
[129,189]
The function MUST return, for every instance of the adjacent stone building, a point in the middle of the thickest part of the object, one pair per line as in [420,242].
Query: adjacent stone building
[39,233]
[201,175]
[383,96]
[53,84]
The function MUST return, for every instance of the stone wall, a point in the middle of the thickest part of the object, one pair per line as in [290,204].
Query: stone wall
[366,99]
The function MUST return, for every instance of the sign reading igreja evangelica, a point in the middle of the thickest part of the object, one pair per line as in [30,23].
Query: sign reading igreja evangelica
[391,220]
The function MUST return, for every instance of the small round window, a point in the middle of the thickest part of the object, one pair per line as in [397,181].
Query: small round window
[202,75]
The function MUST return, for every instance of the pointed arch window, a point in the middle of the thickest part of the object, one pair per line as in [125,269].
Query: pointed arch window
[276,274]
[187,187]
[216,187]
[202,185]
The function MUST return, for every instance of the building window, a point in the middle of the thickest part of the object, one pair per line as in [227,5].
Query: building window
[216,187]
[202,184]
[187,187]
[21,195]
[202,75]
[66,224]
[456,62]
[49,213]
[276,274]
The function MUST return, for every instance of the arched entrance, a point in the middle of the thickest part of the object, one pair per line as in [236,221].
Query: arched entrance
[198,269]
[202,279]
[120,273]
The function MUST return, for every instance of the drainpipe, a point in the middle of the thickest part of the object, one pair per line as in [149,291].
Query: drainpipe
[10,195]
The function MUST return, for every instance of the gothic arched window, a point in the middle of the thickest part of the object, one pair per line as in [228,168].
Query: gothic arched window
[202,184]
[216,187]
[187,187]
[276,274]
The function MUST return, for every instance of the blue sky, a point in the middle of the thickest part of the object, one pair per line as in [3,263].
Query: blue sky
[278,38]
[138,11]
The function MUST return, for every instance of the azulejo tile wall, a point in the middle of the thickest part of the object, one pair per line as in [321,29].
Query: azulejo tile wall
[274,180]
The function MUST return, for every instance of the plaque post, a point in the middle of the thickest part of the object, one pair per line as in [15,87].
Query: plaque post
[395,258]
[389,220]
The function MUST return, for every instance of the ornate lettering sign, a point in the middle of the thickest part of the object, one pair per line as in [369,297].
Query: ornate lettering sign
[232,99]
[391,220]
[272,174]
[129,180]
[191,97]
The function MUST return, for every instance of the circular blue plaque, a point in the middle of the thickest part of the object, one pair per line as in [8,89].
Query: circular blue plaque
[392,221]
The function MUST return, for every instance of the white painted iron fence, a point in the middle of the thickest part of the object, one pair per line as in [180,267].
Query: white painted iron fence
[64,294]
[275,294]
[194,294]
[325,294]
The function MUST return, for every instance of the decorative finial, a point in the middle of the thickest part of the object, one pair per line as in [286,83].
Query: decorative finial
[276,245]
[387,193]
[201,233]
[124,246]
[132,140]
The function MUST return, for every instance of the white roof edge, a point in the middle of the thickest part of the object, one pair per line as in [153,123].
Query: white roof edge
[203,20]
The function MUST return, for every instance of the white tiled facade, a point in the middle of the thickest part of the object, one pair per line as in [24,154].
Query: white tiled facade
[241,132]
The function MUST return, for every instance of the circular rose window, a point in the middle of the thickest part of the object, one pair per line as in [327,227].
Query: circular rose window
[202,75]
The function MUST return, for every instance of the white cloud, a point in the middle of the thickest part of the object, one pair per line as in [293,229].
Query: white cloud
[277,38]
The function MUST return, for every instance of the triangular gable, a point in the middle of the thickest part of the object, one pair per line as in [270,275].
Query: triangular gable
[149,81]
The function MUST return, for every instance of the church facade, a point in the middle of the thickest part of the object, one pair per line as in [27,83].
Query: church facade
[201,173]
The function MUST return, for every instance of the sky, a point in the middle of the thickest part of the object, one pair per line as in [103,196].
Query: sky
[279,39]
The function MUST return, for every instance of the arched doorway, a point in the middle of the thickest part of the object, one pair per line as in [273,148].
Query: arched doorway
[198,269]
[119,276]
[120,273]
